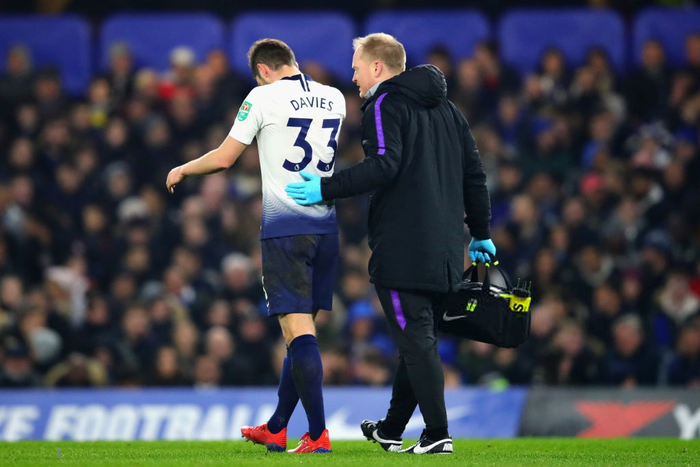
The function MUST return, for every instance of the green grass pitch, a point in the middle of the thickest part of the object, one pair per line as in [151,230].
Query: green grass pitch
[528,451]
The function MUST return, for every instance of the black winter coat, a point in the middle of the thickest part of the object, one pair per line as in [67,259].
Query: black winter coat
[424,166]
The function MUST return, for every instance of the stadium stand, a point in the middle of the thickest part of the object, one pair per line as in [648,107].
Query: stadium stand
[326,38]
[151,38]
[670,27]
[526,34]
[105,279]
[420,30]
[64,43]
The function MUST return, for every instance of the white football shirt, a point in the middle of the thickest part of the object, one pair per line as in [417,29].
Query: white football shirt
[296,122]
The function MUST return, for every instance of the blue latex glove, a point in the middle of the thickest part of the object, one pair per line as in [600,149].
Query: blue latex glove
[308,192]
[482,251]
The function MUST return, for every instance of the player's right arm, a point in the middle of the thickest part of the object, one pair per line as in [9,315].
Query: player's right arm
[214,161]
[248,122]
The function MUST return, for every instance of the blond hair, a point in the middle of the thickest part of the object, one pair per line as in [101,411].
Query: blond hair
[383,48]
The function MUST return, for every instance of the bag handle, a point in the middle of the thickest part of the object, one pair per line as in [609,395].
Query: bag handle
[472,271]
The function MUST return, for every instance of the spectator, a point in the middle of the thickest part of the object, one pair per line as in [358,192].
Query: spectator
[676,304]
[100,101]
[546,272]
[554,77]
[181,75]
[236,370]
[692,57]
[99,326]
[147,87]
[593,268]
[136,336]
[648,87]
[631,293]
[372,369]
[548,153]
[16,371]
[27,119]
[229,88]
[166,371]
[336,366]
[655,264]
[45,343]
[22,158]
[162,318]
[598,62]
[77,371]
[48,94]
[121,72]
[185,341]
[439,55]
[510,121]
[632,361]
[11,293]
[16,82]
[238,280]
[207,373]
[570,360]
[468,96]
[601,130]
[183,118]
[253,343]
[219,314]
[526,229]
[684,368]
[606,309]
[497,78]
[476,361]
[543,325]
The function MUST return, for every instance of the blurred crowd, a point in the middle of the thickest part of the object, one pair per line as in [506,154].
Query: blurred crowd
[107,280]
[358,8]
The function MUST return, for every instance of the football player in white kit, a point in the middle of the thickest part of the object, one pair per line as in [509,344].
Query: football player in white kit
[296,122]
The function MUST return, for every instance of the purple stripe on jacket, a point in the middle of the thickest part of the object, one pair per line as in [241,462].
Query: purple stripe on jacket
[378,122]
[398,311]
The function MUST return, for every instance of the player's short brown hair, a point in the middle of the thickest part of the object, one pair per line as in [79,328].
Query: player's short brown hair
[384,48]
[271,52]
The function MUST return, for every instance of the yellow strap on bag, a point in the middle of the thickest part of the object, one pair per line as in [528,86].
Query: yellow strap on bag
[517,304]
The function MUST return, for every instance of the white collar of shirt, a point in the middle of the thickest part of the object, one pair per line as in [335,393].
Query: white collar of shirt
[372,90]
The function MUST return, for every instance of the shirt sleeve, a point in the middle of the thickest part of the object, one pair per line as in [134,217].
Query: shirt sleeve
[383,147]
[249,120]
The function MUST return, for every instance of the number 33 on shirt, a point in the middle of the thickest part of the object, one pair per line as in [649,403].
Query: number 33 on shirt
[296,122]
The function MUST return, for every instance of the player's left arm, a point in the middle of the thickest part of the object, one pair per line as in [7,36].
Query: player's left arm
[214,161]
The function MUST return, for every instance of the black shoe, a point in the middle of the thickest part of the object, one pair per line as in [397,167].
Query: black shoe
[429,446]
[371,431]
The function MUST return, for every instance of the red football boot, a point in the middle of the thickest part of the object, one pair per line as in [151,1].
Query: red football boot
[274,442]
[306,446]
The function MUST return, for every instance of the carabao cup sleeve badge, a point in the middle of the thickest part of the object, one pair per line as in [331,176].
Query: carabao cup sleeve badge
[244,110]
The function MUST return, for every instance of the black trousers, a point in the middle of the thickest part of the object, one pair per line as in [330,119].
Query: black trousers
[419,379]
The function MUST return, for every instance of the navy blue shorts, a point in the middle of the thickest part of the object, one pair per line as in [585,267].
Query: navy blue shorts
[299,272]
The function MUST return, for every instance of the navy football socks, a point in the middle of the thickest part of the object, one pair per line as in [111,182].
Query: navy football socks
[307,370]
[287,398]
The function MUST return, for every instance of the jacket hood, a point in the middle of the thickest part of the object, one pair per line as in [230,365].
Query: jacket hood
[424,84]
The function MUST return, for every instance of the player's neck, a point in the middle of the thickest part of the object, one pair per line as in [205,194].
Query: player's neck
[285,72]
